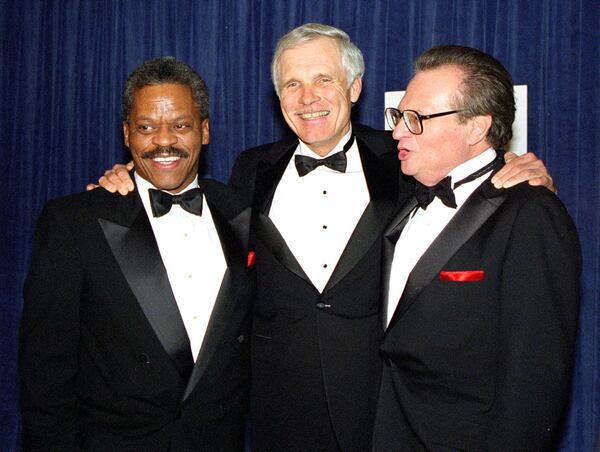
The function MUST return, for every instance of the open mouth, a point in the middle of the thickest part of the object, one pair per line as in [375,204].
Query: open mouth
[166,160]
[166,155]
[403,153]
[313,114]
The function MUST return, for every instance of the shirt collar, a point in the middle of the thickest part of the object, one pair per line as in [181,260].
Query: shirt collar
[470,166]
[352,155]
[143,186]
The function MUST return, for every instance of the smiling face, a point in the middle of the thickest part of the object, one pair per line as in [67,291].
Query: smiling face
[314,94]
[165,134]
[445,142]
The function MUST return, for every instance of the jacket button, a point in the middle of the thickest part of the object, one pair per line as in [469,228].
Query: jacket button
[388,362]
[240,338]
[143,358]
[322,305]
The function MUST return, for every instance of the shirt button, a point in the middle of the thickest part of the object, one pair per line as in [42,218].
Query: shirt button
[190,276]
[324,226]
[324,192]
[324,265]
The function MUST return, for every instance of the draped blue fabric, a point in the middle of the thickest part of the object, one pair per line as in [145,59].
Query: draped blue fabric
[63,64]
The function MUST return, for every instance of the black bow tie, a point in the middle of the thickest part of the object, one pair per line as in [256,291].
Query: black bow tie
[190,201]
[444,190]
[336,162]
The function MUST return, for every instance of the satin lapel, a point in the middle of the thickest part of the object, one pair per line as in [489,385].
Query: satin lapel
[381,175]
[390,238]
[136,251]
[241,226]
[270,236]
[227,298]
[461,228]
[269,173]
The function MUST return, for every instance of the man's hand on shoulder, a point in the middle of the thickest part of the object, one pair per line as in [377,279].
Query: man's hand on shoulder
[526,167]
[116,179]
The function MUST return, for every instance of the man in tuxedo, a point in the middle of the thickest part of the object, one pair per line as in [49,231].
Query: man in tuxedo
[320,203]
[135,320]
[482,285]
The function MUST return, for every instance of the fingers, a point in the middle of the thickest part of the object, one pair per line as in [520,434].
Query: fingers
[90,187]
[523,168]
[117,179]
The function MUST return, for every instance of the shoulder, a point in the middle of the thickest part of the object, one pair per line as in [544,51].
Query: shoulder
[268,151]
[523,194]
[85,206]
[84,201]
[538,208]
[381,139]
[223,197]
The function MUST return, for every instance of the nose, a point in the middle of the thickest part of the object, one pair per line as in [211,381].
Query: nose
[308,95]
[400,130]
[165,136]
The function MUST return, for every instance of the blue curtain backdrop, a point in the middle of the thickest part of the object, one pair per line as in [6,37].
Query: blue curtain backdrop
[63,64]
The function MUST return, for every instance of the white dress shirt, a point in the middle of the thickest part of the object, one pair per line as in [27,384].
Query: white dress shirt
[191,252]
[316,214]
[425,225]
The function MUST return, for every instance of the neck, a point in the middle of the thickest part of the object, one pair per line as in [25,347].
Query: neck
[324,151]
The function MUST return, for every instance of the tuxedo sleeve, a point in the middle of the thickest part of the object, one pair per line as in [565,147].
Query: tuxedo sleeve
[49,337]
[538,312]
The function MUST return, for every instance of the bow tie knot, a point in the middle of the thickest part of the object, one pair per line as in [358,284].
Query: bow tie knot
[336,162]
[305,164]
[190,201]
[442,190]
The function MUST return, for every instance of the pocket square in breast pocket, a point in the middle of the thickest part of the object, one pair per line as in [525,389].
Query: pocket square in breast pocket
[463,276]
[251,259]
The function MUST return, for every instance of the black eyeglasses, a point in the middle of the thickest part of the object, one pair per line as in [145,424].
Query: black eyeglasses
[412,119]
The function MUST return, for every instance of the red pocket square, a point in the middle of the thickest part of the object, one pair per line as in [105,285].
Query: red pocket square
[464,276]
[251,258]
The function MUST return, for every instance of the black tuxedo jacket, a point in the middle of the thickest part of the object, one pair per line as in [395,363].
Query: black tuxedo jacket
[105,360]
[315,362]
[483,364]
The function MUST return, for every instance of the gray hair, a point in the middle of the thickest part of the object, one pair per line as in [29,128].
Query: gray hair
[159,71]
[486,88]
[352,58]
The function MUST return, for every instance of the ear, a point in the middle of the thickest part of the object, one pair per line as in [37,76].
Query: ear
[355,89]
[205,129]
[479,128]
[126,133]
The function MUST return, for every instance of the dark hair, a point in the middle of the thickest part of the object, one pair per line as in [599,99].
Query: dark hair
[159,71]
[486,89]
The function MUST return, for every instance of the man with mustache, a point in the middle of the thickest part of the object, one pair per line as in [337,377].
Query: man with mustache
[321,201]
[135,323]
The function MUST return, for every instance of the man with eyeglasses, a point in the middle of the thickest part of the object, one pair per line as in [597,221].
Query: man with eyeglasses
[481,284]
[321,201]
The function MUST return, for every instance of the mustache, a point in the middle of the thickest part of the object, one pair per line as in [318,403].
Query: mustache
[165,151]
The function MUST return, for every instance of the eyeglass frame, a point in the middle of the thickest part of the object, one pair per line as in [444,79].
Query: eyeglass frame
[420,117]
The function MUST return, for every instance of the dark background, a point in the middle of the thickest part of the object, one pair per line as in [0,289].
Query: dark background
[63,64]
